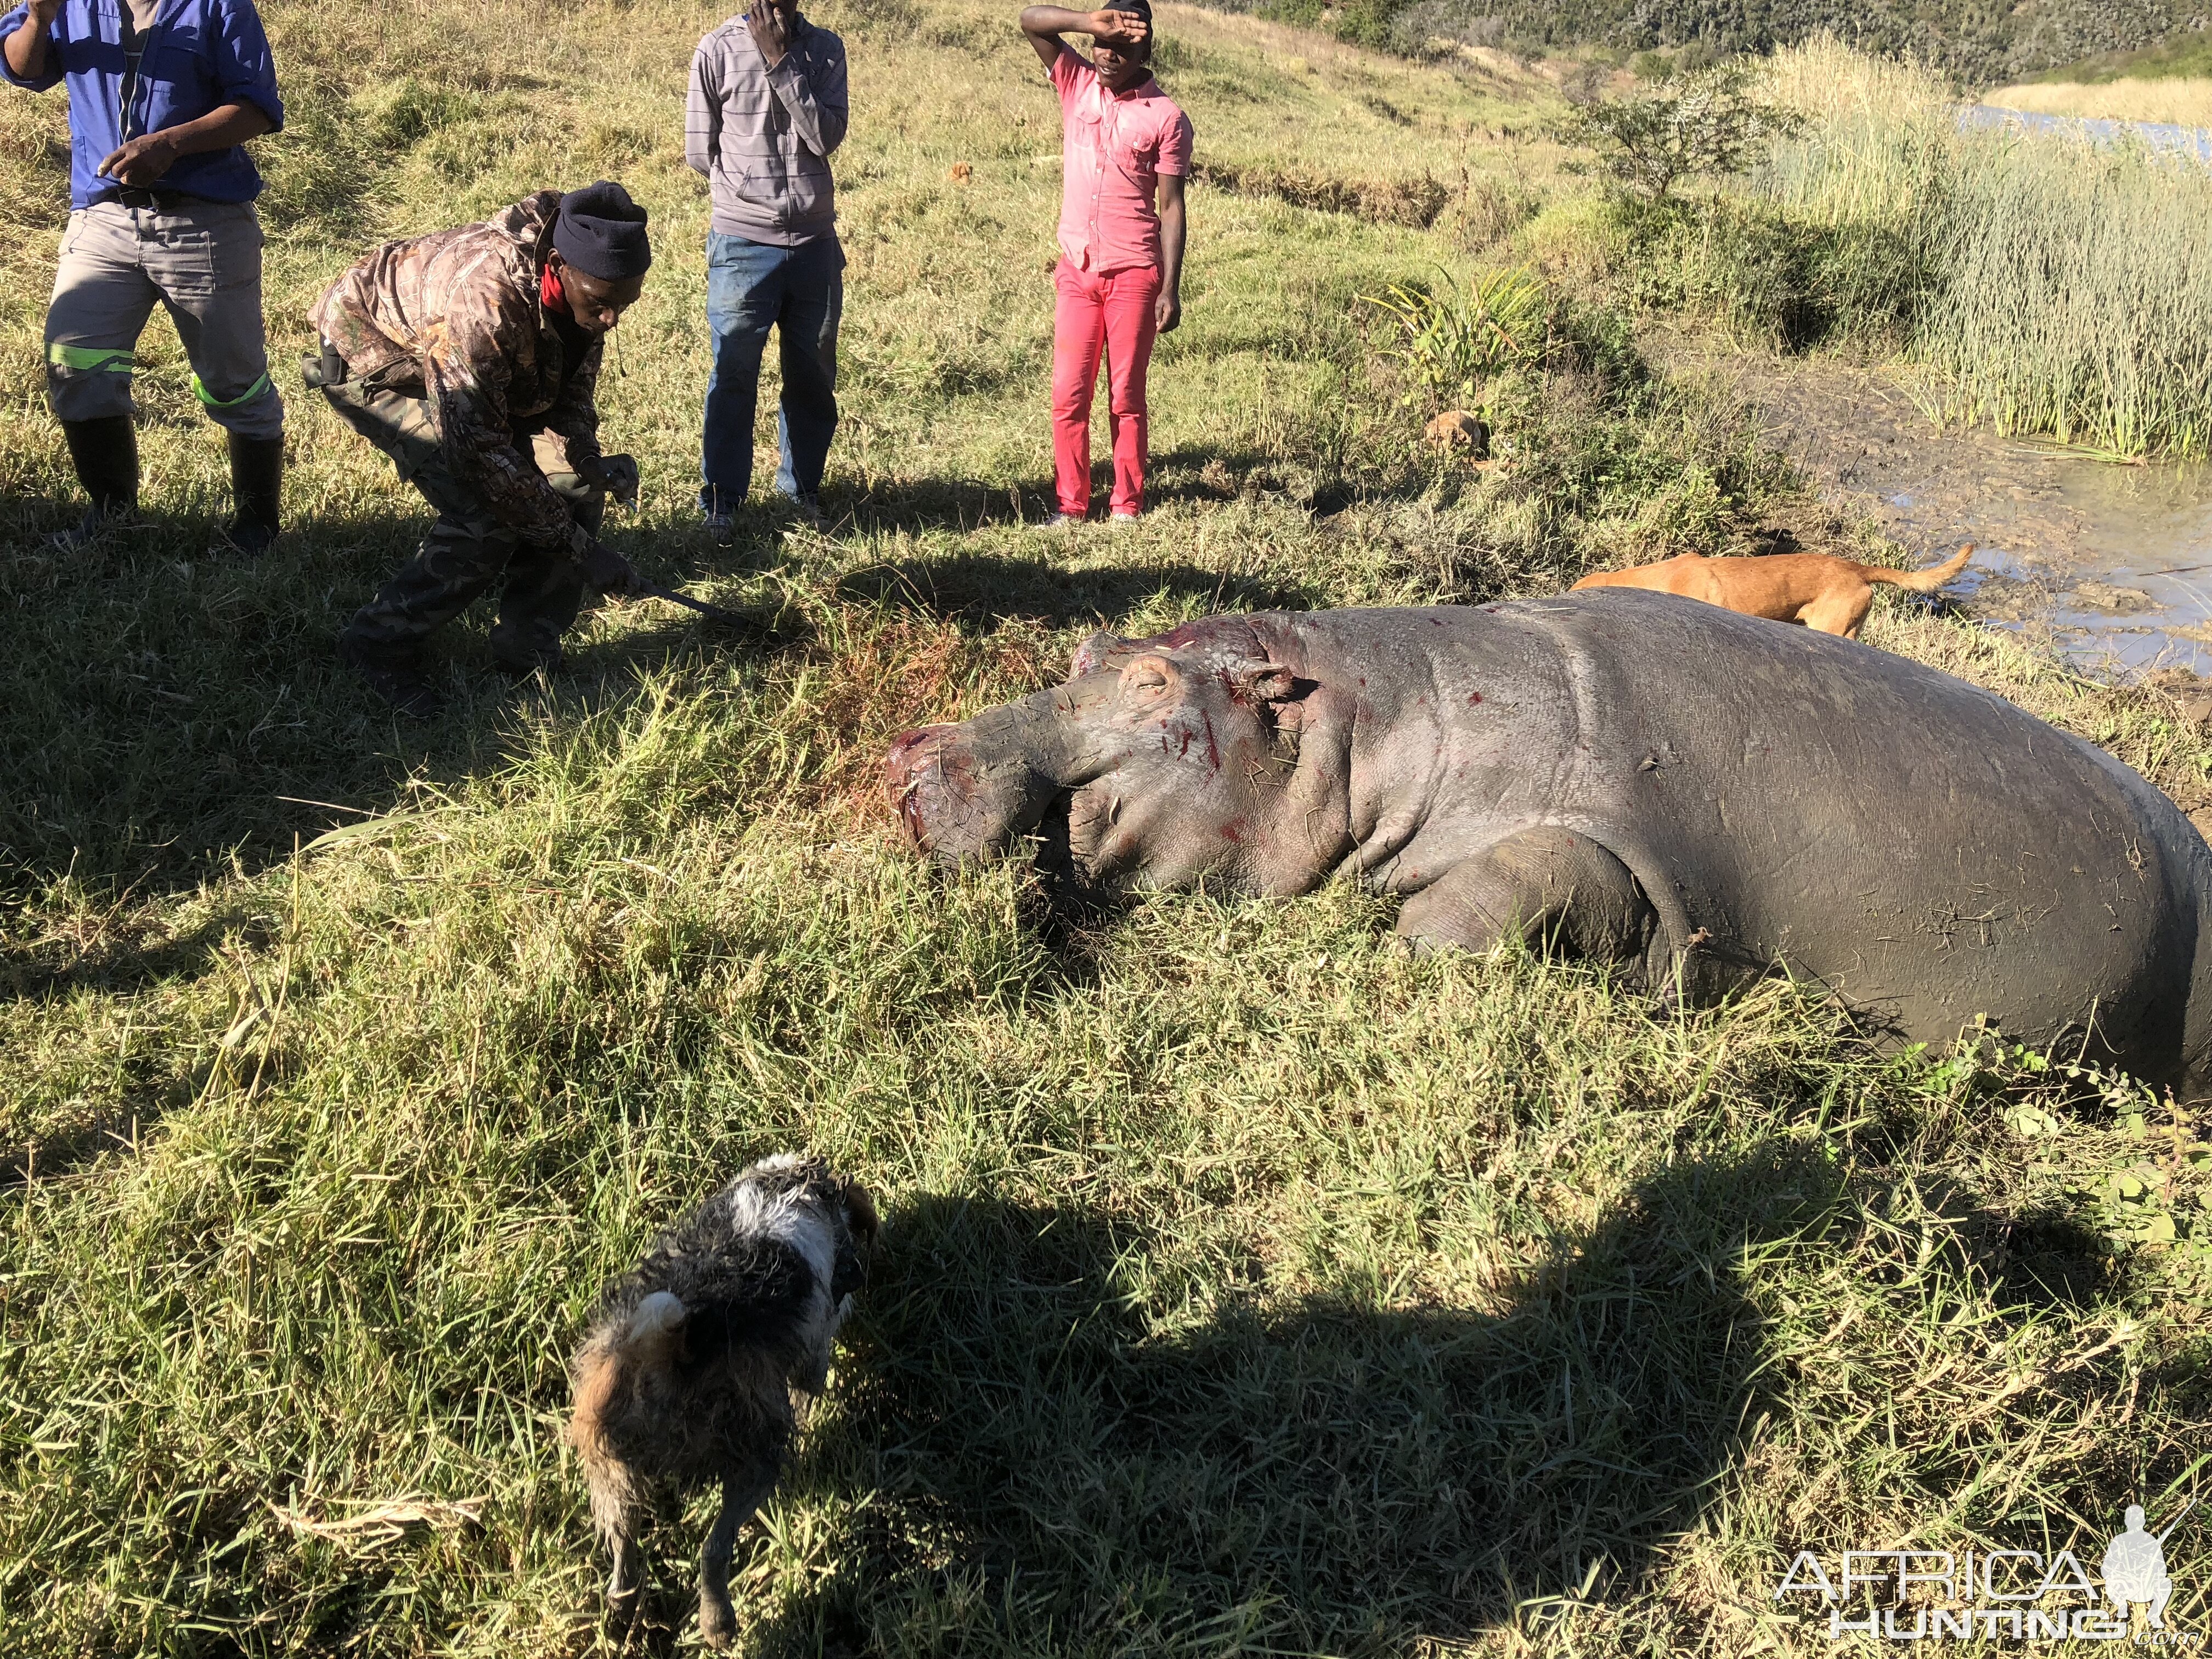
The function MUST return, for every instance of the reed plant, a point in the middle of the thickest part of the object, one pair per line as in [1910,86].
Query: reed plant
[2054,286]
[2181,102]
[2077,294]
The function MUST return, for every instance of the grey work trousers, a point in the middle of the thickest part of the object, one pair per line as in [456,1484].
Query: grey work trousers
[200,259]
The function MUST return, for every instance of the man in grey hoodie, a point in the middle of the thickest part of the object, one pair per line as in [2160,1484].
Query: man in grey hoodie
[768,104]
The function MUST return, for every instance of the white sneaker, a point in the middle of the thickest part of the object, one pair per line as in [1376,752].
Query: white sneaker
[1123,520]
[1061,521]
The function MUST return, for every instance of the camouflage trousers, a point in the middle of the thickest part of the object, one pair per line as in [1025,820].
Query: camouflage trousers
[467,548]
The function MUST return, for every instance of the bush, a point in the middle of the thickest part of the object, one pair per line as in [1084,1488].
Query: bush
[1706,125]
[1768,274]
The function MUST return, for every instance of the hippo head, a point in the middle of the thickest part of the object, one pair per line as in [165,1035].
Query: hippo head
[1162,761]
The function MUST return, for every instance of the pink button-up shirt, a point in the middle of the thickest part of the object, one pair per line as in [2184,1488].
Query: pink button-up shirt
[1114,148]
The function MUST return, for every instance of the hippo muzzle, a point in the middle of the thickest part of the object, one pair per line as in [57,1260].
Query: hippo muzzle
[1143,768]
[970,790]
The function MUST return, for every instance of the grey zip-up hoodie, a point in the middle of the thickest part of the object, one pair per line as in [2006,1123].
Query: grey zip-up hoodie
[763,137]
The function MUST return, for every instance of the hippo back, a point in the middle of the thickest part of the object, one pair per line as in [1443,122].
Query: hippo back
[1929,850]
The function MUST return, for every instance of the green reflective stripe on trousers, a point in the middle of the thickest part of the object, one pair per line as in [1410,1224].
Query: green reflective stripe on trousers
[99,357]
[200,390]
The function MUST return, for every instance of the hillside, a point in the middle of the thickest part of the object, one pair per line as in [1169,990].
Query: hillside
[1248,1284]
[1979,42]
[2186,54]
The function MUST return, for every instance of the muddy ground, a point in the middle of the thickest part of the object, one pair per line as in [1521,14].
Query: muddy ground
[2112,562]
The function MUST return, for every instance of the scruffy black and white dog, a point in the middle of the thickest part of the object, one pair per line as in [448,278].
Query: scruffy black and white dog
[687,1374]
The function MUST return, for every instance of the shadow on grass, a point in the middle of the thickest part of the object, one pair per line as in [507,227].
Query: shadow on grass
[2048,1258]
[174,715]
[959,505]
[1193,472]
[1048,1474]
[981,588]
[1205,473]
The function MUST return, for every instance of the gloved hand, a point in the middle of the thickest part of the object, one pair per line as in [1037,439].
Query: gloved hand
[616,474]
[608,571]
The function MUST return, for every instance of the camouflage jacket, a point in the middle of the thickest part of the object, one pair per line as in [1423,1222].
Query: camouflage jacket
[457,314]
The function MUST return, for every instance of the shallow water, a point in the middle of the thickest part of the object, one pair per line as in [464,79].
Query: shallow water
[2156,136]
[2111,561]
[2115,560]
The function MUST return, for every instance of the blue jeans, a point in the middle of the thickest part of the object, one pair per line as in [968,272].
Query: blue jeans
[800,291]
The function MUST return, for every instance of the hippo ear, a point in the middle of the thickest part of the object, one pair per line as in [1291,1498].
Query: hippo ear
[1090,656]
[1148,676]
[1268,682]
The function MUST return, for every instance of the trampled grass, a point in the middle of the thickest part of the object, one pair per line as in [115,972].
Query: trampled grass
[1248,1285]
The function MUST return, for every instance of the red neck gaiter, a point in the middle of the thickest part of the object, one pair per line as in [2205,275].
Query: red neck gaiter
[550,293]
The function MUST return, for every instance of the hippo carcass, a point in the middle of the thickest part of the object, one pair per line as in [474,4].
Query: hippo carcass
[1639,778]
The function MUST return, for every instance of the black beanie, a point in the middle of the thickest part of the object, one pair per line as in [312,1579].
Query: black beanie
[601,232]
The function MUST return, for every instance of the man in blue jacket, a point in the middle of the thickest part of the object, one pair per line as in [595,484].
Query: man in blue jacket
[163,95]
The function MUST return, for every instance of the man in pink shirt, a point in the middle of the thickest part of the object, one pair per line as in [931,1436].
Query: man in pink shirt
[1120,277]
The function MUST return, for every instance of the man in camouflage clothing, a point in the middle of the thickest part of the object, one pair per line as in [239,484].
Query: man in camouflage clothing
[470,357]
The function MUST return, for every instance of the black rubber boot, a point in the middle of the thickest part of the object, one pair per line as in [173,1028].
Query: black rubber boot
[517,656]
[397,677]
[257,488]
[106,451]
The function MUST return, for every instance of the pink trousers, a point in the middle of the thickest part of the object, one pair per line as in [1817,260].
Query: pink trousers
[1114,314]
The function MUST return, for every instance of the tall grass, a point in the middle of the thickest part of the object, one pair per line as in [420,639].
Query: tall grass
[2076,297]
[2056,286]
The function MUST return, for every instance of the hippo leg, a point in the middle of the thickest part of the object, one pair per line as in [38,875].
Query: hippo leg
[1548,884]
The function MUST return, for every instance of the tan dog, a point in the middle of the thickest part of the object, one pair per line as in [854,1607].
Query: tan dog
[1828,594]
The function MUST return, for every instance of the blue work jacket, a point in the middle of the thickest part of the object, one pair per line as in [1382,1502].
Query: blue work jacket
[199,56]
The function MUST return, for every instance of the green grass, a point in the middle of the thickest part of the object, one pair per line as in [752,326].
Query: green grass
[1248,1285]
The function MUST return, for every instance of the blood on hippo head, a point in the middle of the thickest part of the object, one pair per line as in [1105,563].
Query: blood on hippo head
[1168,755]
[1097,653]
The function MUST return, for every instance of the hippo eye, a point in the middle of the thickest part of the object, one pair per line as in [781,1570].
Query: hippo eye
[1141,679]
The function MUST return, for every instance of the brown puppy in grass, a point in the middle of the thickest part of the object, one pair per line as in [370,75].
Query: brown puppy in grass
[687,1375]
[1828,594]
